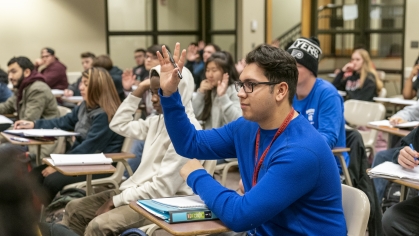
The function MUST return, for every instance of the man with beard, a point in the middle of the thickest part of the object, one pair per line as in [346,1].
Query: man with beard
[32,99]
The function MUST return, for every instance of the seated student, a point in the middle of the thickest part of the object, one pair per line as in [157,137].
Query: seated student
[32,100]
[285,190]
[139,71]
[54,71]
[402,218]
[90,119]
[216,102]
[105,61]
[5,92]
[316,99]
[359,78]
[19,208]
[108,212]
[409,113]
[411,84]
[87,63]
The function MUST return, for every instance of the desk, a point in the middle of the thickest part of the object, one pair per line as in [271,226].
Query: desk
[11,116]
[404,185]
[34,142]
[339,153]
[189,228]
[87,170]
[393,131]
[121,157]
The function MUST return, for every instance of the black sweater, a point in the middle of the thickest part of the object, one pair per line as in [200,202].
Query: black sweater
[353,89]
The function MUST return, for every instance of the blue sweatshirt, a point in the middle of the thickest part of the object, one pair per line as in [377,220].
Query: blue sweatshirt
[323,108]
[298,190]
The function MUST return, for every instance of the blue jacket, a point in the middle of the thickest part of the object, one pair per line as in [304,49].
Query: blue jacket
[323,108]
[298,191]
[96,136]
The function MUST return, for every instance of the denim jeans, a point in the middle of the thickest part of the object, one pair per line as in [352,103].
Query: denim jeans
[137,149]
[379,183]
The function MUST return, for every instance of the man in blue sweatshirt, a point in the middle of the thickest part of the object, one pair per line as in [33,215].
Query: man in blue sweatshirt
[316,99]
[290,177]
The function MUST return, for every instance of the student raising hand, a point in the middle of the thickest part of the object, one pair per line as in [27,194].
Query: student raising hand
[169,79]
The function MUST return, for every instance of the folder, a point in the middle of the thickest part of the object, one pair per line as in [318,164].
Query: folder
[177,214]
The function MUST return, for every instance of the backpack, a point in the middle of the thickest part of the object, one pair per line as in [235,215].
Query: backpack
[55,211]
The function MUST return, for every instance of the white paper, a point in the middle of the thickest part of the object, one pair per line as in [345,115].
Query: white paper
[410,124]
[182,202]
[375,13]
[350,12]
[397,101]
[80,159]
[73,98]
[342,93]
[5,120]
[41,132]
[57,92]
[392,170]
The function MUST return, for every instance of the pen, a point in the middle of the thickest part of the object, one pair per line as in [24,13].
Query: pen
[411,147]
[19,139]
[174,65]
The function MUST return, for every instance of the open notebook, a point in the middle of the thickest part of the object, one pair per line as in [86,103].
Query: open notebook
[410,124]
[394,171]
[78,159]
[5,123]
[41,132]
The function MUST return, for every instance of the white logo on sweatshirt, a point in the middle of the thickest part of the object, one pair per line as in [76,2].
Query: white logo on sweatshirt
[310,113]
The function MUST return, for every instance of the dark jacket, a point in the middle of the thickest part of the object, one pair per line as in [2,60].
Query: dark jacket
[93,126]
[55,75]
[116,75]
[411,138]
[357,170]
[351,85]
[75,87]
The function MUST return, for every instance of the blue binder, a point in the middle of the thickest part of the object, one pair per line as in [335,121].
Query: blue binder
[172,214]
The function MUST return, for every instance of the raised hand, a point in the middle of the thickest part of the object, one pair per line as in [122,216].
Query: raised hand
[192,53]
[169,79]
[222,85]
[142,87]
[128,79]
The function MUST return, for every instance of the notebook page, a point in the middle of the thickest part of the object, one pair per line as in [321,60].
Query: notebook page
[80,159]
[394,170]
[182,202]
[5,120]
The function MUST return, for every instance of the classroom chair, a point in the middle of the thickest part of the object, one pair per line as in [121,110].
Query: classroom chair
[224,167]
[356,209]
[360,113]
[115,179]
[209,166]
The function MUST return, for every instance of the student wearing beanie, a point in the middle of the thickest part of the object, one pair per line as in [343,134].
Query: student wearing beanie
[316,99]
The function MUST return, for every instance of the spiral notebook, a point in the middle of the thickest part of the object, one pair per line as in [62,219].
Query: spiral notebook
[182,202]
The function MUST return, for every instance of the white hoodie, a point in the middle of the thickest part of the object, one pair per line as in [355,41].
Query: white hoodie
[158,174]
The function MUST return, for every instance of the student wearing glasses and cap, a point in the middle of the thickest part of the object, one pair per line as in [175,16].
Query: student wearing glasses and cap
[284,162]
[53,70]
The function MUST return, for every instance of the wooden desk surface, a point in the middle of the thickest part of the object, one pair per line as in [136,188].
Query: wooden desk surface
[82,169]
[390,130]
[189,228]
[340,150]
[121,155]
[30,142]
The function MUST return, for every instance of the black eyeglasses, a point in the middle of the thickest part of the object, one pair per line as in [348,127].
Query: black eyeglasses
[248,86]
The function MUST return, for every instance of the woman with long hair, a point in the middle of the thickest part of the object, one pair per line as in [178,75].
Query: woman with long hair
[359,77]
[90,119]
[216,102]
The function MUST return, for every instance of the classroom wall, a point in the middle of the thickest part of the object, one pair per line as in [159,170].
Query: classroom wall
[68,26]
[249,10]
[412,33]
[285,15]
